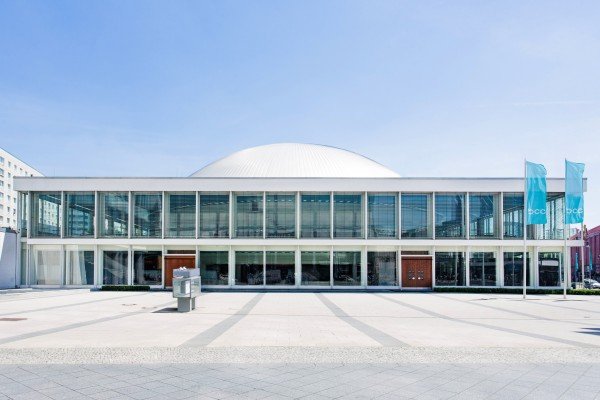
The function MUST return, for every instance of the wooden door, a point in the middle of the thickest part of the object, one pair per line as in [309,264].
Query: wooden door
[174,262]
[416,272]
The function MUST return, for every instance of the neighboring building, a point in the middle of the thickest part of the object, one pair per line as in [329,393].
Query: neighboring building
[591,251]
[288,216]
[11,167]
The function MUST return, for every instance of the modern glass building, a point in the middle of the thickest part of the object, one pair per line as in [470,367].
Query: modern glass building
[288,216]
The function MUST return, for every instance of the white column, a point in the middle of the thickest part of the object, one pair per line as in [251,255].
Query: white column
[363,266]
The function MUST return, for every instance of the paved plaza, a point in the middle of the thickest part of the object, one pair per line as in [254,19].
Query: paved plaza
[80,344]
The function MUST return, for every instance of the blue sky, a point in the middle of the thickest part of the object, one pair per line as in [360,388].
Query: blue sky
[428,88]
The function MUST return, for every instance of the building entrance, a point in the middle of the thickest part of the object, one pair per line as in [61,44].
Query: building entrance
[416,272]
[174,262]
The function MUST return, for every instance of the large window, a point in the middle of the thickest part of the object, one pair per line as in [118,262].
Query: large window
[450,215]
[147,215]
[249,268]
[280,268]
[181,215]
[113,208]
[281,215]
[482,269]
[382,215]
[80,265]
[513,269]
[554,227]
[513,215]
[416,215]
[147,267]
[549,268]
[315,268]
[315,215]
[23,213]
[115,267]
[249,215]
[47,265]
[346,268]
[382,268]
[80,211]
[214,216]
[449,269]
[347,215]
[46,210]
[482,215]
[214,267]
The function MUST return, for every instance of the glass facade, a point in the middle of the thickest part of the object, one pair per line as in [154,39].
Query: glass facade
[513,215]
[80,265]
[24,213]
[450,215]
[281,215]
[315,268]
[147,267]
[482,215]
[416,215]
[382,212]
[482,268]
[214,216]
[214,267]
[147,215]
[47,265]
[554,228]
[381,268]
[249,215]
[46,212]
[115,267]
[80,212]
[347,216]
[280,268]
[315,215]
[513,269]
[180,218]
[249,268]
[450,269]
[346,268]
[113,208]
[549,268]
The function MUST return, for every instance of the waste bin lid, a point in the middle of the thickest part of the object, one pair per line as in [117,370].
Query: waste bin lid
[185,272]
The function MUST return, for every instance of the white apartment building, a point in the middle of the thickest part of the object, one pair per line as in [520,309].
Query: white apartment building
[11,166]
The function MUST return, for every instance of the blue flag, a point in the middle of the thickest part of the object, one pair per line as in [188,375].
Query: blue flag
[536,193]
[574,192]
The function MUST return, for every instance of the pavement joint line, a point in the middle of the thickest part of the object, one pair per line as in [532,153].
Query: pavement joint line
[12,299]
[565,307]
[76,325]
[497,328]
[211,334]
[377,335]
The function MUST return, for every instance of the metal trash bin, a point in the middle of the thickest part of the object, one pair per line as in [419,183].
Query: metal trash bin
[186,287]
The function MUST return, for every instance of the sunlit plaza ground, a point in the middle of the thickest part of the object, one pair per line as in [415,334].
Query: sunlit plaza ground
[81,344]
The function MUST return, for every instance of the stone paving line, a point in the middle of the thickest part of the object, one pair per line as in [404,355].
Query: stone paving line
[301,381]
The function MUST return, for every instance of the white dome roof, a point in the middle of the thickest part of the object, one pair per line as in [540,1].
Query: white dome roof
[295,160]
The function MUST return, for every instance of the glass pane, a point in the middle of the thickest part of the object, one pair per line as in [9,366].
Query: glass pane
[249,268]
[281,267]
[46,210]
[549,268]
[181,215]
[214,216]
[482,215]
[248,215]
[449,269]
[114,214]
[449,215]
[513,215]
[147,267]
[47,266]
[381,268]
[554,228]
[482,269]
[347,216]
[24,263]
[80,214]
[115,267]
[80,267]
[513,269]
[416,215]
[23,213]
[346,268]
[214,267]
[281,215]
[315,268]
[147,220]
[315,215]
[382,215]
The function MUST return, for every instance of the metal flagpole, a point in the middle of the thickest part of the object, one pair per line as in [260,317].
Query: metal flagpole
[582,259]
[525,211]
[566,230]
